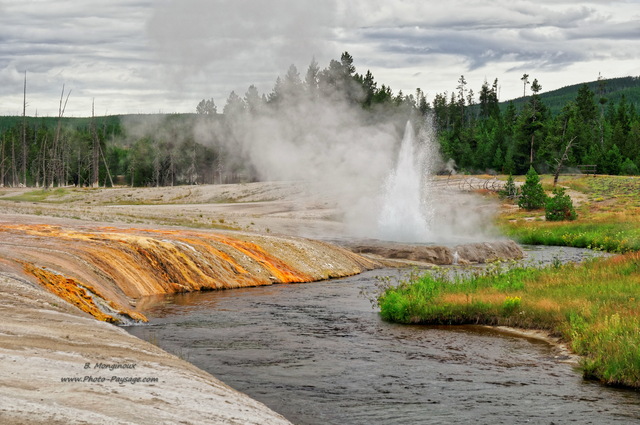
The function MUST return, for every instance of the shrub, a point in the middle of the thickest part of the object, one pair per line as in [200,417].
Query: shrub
[559,206]
[532,194]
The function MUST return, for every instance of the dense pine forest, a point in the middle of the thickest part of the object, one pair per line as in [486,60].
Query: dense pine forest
[595,124]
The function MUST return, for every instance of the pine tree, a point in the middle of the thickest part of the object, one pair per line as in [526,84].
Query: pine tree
[559,206]
[533,196]
[510,190]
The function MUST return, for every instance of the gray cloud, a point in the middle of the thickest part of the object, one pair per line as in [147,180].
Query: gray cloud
[146,56]
[498,39]
[84,45]
[201,32]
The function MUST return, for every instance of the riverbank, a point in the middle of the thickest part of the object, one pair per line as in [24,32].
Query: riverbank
[44,342]
[592,307]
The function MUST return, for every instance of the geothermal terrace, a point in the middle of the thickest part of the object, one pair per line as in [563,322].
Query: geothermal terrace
[75,261]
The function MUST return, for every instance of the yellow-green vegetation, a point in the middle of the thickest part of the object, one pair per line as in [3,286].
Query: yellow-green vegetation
[42,195]
[608,218]
[594,306]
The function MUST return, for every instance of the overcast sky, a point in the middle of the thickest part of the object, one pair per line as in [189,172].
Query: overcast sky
[143,56]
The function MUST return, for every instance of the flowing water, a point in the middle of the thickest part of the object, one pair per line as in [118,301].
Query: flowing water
[319,354]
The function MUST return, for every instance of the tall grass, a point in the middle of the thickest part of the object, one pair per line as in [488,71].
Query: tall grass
[594,306]
[618,237]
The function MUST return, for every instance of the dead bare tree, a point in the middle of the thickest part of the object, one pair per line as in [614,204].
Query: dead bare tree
[14,170]
[104,160]
[95,160]
[56,165]
[2,161]
[564,157]
[106,166]
[24,133]
[42,169]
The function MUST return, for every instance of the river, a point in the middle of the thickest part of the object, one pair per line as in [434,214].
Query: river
[318,353]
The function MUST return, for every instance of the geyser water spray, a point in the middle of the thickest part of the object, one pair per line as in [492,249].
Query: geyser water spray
[406,214]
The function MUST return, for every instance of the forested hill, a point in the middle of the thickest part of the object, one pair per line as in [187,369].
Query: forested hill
[609,90]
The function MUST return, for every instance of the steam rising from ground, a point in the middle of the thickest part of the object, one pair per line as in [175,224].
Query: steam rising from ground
[355,158]
[342,152]
[348,157]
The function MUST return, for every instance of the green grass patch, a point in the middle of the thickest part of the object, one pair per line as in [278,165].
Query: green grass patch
[612,236]
[42,195]
[594,306]
[608,219]
[605,187]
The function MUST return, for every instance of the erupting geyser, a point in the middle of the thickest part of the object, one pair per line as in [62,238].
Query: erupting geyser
[406,215]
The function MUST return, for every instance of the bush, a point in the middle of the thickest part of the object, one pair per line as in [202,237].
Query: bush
[533,196]
[559,206]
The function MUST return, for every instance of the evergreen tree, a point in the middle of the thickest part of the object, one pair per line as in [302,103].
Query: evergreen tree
[510,190]
[253,101]
[292,84]
[234,106]
[613,161]
[311,79]
[559,206]
[206,107]
[629,168]
[531,126]
[533,196]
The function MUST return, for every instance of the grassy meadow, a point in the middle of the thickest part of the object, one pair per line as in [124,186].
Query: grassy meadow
[608,210]
[593,306]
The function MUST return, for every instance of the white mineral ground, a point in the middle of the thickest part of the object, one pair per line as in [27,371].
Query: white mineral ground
[45,340]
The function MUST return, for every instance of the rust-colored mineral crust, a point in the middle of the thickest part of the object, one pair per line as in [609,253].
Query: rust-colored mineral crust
[103,270]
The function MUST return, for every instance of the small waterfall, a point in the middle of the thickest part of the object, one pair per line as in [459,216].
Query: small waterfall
[406,214]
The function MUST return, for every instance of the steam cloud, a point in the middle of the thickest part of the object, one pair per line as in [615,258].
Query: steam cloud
[348,155]
[342,152]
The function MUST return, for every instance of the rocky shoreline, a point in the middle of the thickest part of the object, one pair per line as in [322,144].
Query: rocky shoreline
[52,371]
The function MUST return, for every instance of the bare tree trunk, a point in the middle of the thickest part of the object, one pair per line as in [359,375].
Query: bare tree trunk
[172,169]
[531,153]
[2,159]
[56,157]
[106,166]
[14,171]
[95,163]
[563,158]
[193,169]
[156,169]
[43,155]
[24,132]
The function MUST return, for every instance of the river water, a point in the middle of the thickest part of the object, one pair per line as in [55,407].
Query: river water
[318,353]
